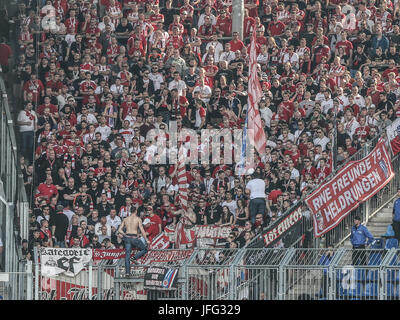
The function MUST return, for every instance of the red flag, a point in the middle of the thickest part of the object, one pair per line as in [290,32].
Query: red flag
[254,125]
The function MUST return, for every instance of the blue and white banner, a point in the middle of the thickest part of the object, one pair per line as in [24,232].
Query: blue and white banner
[161,278]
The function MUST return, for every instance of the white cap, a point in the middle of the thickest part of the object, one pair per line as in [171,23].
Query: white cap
[146,221]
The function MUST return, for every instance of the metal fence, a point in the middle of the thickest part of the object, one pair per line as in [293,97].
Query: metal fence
[236,274]
[13,204]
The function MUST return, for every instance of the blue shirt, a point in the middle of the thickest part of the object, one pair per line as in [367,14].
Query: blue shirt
[325,261]
[359,235]
[396,210]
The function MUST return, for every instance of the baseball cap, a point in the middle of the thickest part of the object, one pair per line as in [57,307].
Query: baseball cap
[146,221]
[59,207]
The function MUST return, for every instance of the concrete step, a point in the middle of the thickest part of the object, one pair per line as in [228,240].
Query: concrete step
[379,223]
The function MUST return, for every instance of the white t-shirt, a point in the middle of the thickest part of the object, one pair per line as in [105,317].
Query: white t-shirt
[23,117]
[257,188]
[231,205]
[157,79]
[180,85]
[323,142]
[105,131]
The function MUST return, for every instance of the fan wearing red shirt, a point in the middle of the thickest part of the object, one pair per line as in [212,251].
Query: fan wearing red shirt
[113,50]
[34,86]
[236,43]
[252,7]
[47,189]
[45,233]
[80,239]
[55,84]
[87,84]
[47,104]
[392,68]
[176,23]
[188,8]
[72,22]
[323,171]
[224,24]
[354,107]
[320,50]
[156,17]
[206,30]
[176,39]
[308,168]
[152,224]
[248,23]
[126,106]
[260,38]
[285,108]
[348,46]
[349,146]
[275,27]
[362,132]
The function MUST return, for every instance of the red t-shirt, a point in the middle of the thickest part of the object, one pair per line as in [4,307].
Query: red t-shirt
[273,195]
[45,190]
[236,45]
[5,53]
[153,227]
[276,29]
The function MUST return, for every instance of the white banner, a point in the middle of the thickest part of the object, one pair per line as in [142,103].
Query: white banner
[68,261]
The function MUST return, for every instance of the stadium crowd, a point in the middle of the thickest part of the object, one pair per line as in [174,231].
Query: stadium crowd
[96,77]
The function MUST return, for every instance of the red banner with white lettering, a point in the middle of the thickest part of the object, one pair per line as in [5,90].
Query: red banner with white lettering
[352,185]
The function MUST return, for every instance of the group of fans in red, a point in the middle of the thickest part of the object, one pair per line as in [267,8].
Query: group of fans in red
[96,76]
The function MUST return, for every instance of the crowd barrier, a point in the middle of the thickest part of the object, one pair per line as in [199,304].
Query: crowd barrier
[236,274]
[14,206]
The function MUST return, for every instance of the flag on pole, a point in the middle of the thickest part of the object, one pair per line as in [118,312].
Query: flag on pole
[254,125]
[182,178]
[243,165]
[393,135]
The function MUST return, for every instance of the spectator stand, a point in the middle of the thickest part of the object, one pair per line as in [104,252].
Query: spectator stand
[341,232]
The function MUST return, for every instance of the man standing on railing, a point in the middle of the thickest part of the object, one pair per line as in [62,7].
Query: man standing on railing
[358,237]
[256,186]
[27,122]
[396,216]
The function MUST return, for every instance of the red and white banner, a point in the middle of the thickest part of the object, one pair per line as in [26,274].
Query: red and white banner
[199,232]
[254,125]
[214,232]
[355,183]
[76,288]
[160,242]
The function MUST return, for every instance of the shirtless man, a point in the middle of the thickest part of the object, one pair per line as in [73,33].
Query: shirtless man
[132,239]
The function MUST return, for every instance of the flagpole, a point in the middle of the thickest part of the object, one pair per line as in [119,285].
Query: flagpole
[334,147]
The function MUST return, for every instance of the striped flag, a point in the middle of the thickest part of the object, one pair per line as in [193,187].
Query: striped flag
[241,166]
[393,135]
[254,125]
[182,178]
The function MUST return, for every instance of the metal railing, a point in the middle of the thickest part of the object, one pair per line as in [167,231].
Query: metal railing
[14,203]
[232,274]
